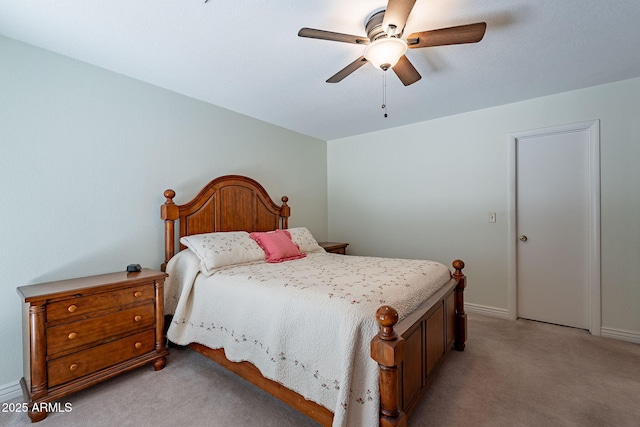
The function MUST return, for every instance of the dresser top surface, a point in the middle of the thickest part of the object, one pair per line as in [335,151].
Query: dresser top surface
[77,285]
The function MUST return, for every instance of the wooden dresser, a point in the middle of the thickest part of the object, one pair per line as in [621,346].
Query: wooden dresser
[79,332]
[334,247]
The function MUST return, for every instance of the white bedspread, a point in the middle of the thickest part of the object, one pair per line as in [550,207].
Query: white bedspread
[306,323]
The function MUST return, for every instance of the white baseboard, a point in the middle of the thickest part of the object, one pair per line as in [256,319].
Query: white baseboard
[487,311]
[10,391]
[617,334]
[620,334]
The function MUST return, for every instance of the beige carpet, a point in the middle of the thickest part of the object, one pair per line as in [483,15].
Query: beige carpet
[511,374]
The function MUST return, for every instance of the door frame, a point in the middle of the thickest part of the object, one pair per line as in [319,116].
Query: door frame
[594,293]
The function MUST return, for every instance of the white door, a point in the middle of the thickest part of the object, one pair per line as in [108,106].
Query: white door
[554,217]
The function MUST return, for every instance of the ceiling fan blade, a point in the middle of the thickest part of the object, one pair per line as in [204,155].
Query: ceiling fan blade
[471,33]
[406,72]
[337,77]
[330,35]
[397,14]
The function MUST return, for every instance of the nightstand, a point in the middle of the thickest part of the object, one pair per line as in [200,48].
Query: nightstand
[79,332]
[335,247]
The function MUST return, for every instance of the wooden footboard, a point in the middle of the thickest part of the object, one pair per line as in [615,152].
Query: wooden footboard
[410,352]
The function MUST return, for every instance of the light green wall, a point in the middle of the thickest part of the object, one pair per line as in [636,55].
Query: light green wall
[85,155]
[426,190]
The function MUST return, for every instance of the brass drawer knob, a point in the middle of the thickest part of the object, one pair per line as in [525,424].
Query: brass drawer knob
[138,344]
[137,294]
[73,367]
[72,335]
[72,308]
[137,318]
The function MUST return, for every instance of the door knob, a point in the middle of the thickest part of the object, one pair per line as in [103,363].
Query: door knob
[523,238]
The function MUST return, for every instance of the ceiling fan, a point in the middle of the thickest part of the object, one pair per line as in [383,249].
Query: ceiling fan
[385,46]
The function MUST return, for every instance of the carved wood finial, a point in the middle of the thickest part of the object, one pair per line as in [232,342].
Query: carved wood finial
[460,332]
[387,348]
[458,265]
[285,212]
[169,194]
[387,317]
[169,212]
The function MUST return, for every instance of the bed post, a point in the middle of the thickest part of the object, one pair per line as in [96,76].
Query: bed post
[169,213]
[461,316]
[285,212]
[387,348]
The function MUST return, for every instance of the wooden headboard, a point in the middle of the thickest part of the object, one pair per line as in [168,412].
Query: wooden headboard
[228,203]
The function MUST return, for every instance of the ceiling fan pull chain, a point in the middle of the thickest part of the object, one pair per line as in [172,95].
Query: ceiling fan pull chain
[384,92]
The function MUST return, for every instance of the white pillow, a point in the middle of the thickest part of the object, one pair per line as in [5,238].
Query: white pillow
[225,248]
[302,237]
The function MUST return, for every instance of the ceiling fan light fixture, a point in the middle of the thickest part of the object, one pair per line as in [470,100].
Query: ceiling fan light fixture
[385,52]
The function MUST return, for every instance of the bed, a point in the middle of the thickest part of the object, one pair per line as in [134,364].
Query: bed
[409,343]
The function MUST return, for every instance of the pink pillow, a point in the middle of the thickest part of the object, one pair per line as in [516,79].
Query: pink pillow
[277,245]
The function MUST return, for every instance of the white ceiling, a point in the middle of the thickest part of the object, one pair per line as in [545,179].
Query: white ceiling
[246,56]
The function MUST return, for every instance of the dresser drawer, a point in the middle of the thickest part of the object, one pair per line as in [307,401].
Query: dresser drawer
[70,308]
[76,365]
[71,335]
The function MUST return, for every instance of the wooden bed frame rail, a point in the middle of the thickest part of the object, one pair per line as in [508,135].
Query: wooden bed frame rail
[408,352]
